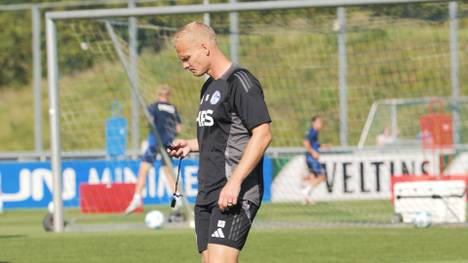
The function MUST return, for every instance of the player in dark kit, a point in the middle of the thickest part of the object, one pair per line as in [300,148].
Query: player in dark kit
[167,121]
[312,145]
[232,136]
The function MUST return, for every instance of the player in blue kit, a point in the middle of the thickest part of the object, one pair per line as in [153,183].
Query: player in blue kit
[168,124]
[233,132]
[312,145]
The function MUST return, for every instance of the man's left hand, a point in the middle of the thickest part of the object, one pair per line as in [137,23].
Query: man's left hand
[229,194]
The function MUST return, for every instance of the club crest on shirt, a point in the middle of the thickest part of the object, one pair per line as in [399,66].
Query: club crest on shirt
[215,97]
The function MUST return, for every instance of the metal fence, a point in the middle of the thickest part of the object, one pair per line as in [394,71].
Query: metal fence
[36,12]
[37,9]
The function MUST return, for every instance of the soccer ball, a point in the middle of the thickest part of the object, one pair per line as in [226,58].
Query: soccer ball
[422,220]
[154,219]
[84,45]
[50,207]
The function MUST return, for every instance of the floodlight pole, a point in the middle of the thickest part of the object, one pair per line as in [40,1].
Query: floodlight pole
[52,75]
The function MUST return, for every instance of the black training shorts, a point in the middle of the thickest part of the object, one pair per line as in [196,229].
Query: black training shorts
[229,228]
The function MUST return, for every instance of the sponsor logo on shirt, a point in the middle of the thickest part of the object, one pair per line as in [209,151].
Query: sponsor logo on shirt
[166,108]
[205,119]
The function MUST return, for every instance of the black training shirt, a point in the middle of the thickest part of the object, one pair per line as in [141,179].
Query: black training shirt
[230,108]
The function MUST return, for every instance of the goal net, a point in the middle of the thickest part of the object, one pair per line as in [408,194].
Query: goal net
[405,122]
[310,61]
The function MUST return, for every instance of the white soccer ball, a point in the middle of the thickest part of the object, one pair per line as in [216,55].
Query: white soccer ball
[50,207]
[422,220]
[154,219]
[84,45]
[192,224]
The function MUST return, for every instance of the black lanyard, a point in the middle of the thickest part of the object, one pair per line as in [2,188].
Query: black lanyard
[175,195]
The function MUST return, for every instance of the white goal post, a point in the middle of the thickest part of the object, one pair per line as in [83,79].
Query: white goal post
[53,69]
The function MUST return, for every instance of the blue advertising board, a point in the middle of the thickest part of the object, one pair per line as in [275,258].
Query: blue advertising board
[29,184]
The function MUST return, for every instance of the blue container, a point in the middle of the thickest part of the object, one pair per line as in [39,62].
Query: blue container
[116,133]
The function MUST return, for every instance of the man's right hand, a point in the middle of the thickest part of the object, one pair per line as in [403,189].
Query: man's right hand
[179,148]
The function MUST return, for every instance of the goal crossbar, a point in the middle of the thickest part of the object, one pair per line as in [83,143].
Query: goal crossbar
[213,8]
[52,61]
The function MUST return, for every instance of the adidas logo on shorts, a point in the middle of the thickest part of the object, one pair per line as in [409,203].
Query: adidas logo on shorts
[219,232]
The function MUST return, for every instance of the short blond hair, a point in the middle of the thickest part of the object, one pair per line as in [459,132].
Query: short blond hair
[164,90]
[195,32]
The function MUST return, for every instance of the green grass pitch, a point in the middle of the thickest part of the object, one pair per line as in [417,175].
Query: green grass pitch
[23,240]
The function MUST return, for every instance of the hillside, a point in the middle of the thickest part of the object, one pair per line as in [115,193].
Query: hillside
[295,60]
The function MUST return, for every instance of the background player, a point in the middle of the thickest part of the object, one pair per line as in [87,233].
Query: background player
[232,135]
[168,124]
[312,145]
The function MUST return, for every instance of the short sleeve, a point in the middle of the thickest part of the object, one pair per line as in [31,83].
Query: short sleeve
[153,110]
[177,116]
[248,100]
[313,136]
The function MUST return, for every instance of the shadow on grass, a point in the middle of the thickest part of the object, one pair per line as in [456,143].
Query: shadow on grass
[10,237]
